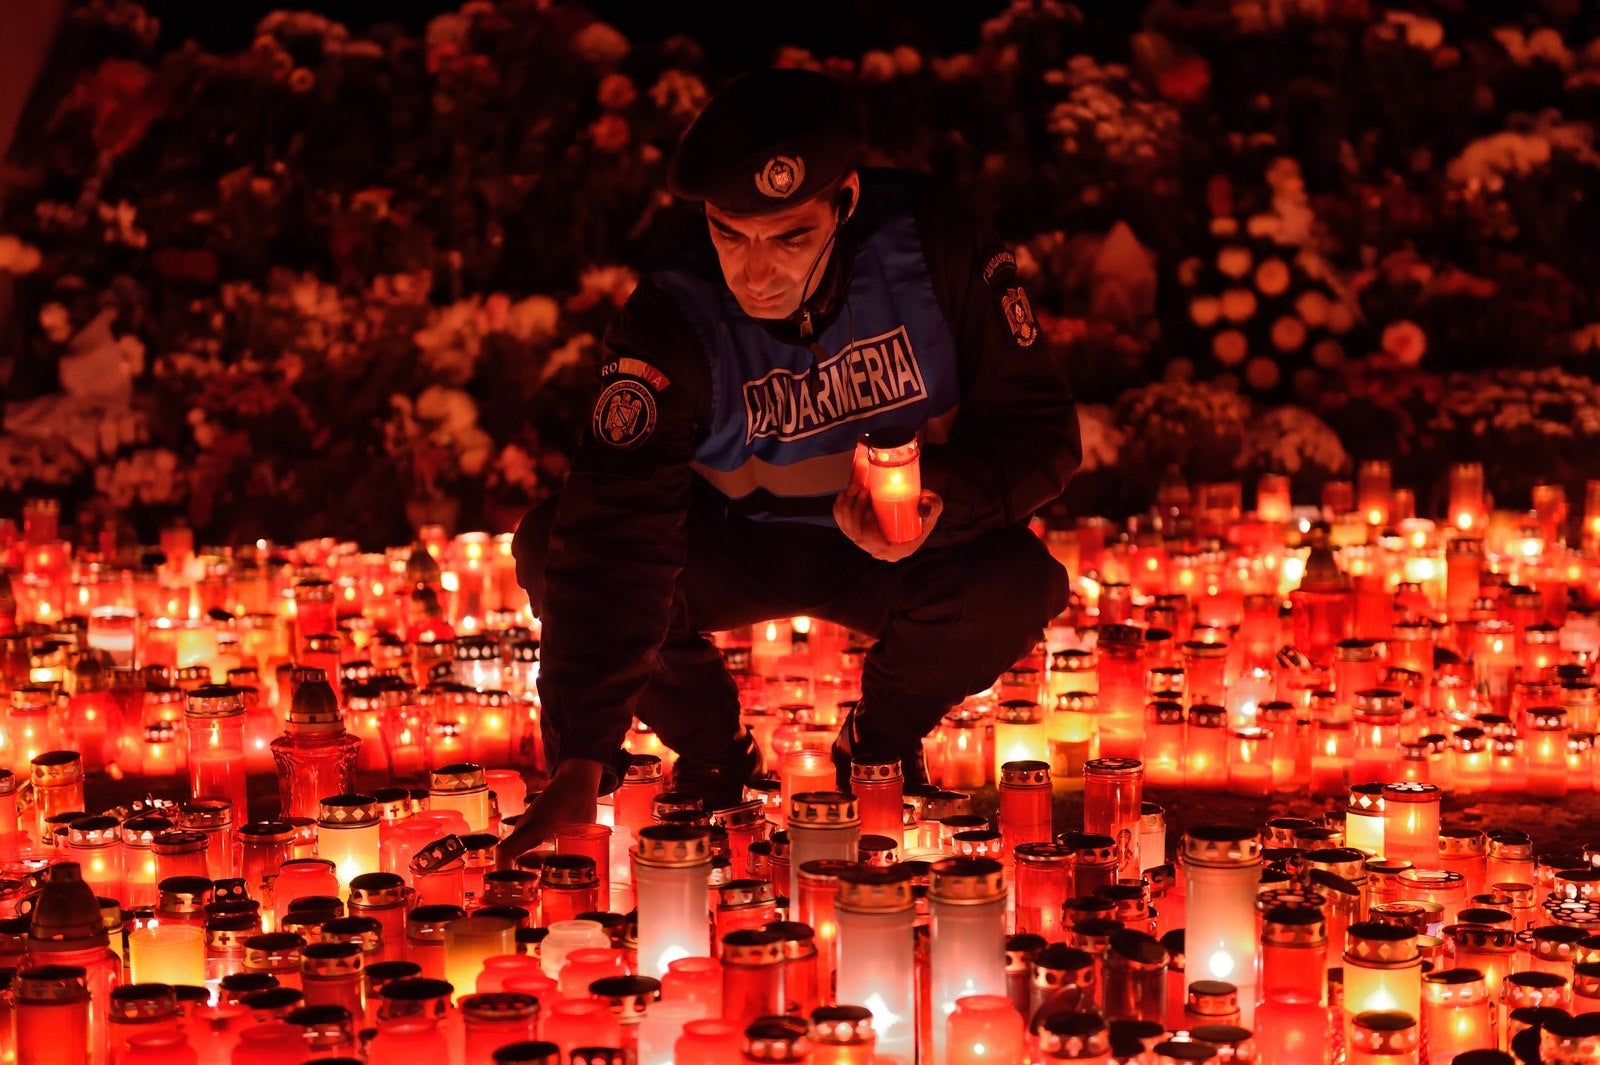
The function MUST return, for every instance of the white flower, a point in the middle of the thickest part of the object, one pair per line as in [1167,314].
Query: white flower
[601,43]
[679,93]
[877,66]
[1288,333]
[1272,277]
[132,353]
[1405,342]
[612,283]
[1263,226]
[1290,439]
[1341,319]
[1312,306]
[1262,374]
[534,318]
[1230,347]
[55,321]
[1238,304]
[1102,438]
[567,355]
[1205,310]
[1234,261]
[451,410]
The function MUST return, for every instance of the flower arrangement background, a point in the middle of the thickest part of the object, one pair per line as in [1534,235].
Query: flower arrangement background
[341,283]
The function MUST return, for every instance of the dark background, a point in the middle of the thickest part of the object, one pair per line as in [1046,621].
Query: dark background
[827,27]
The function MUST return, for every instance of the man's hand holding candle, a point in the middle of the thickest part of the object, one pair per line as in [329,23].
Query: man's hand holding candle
[857,519]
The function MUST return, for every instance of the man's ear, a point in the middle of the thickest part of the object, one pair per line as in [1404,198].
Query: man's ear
[844,201]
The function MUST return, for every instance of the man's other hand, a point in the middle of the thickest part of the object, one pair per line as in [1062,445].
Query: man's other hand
[568,799]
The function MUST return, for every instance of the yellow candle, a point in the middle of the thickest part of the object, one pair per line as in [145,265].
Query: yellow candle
[168,954]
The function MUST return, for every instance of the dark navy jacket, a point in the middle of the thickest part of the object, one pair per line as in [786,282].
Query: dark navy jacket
[920,321]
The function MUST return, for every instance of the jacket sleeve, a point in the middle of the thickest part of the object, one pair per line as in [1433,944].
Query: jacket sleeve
[1015,441]
[617,542]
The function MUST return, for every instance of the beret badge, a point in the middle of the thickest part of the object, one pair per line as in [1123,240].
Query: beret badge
[781,175]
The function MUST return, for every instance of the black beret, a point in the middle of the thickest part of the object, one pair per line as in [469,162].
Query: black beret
[769,140]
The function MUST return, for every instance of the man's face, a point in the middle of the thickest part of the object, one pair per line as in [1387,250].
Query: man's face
[768,260]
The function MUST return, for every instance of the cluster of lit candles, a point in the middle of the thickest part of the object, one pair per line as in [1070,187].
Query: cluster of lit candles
[1377,659]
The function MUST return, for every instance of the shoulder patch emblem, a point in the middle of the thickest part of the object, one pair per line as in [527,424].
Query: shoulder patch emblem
[781,175]
[624,414]
[1018,312]
[995,263]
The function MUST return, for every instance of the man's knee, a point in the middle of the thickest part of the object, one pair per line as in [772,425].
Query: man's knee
[530,545]
[1020,569]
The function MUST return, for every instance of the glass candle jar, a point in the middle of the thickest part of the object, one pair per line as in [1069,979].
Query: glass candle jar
[167,954]
[894,482]
[315,755]
[1382,970]
[95,843]
[462,787]
[50,1015]
[570,885]
[332,974]
[1025,798]
[381,896]
[347,835]
[1383,1037]
[214,717]
[57,788]
[468,941]
[967,900]
[875,910]
[671,867]
[984,1028]
[1134,985]
[752,975]
[1121,690]
[1112,805]
[1411,823]
[1223,864]
[1457,1013]
[492,1021]
[1043,880]
[425,936]
[822,825]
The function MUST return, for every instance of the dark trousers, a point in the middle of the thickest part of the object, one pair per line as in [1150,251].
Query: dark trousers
[944,623]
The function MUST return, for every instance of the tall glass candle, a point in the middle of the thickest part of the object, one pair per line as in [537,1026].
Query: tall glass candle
[967,899]
[671,866]
[822,825]
[468,941]
[1112,806]
[1411,823]
[1043,880]
[1457,1013]
[50,1016]
[1025,798]
[878,790]
[167,954]
[752,975]
[1121,695]
[315,755]
[1223,864]
[894,482]
[1382,970]
[347,835]
[215,716]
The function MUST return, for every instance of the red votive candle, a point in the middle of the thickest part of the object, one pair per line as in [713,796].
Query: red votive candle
[894,481]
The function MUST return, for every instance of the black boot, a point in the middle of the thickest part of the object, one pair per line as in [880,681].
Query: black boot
[913,764]
[720,783]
